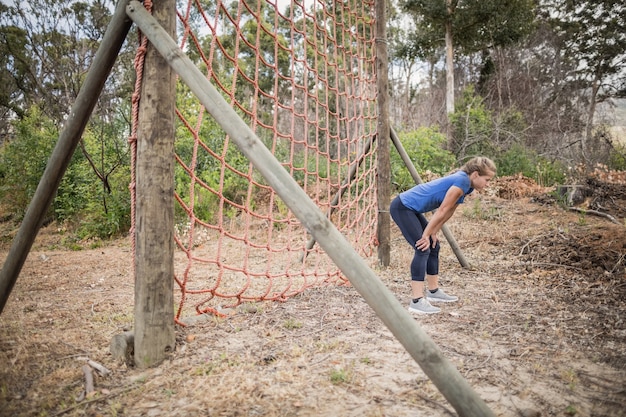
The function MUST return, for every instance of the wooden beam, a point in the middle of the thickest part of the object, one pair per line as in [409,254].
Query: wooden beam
[62,154]
[444,375]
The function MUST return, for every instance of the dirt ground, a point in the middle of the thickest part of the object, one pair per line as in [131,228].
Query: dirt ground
[539,330]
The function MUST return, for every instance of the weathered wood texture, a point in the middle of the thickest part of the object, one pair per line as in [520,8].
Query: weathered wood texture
[154,225]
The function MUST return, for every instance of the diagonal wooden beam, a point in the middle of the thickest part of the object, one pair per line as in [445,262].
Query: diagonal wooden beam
[62,154]
[394,315]
[418,180]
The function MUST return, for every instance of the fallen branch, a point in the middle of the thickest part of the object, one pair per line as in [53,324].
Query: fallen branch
[102,370]
[537,264]
[521,252]
[595,213]
[89,387]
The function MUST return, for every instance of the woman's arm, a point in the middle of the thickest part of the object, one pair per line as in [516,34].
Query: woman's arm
[441,216]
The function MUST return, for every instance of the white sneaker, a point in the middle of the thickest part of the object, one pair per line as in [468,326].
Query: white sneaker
[440,296]
[423,307]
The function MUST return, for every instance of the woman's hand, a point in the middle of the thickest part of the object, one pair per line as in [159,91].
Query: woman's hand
[426,241]
[423,243]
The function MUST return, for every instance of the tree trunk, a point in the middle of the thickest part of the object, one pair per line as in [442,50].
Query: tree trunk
[449,74]
[584,144]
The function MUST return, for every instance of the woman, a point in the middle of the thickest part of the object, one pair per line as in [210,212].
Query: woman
[407,210]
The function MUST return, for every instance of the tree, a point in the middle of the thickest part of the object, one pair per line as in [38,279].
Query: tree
[408,58]
[46,48]
[469,26]
[591,38]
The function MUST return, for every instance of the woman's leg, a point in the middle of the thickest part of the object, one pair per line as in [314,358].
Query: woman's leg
[432,266]
[412,225]
[432,278]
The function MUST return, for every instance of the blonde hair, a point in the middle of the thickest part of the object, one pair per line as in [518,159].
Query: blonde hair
[481,164]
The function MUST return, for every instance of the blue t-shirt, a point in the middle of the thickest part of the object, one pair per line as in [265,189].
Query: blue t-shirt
[429,196]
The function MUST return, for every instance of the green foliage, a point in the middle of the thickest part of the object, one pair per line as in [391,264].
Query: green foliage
[205,162]
[292,324]
[340,376]
[476,130]
[46,48]
[472,126]
[307,165]
[23,161]
[590,32]
[107,214]
[425,147]
[104,174]
[617,158]
[519,159]
[510,126]
[476,24]
[74,190]
[479,131]
[82,198]
[15,73]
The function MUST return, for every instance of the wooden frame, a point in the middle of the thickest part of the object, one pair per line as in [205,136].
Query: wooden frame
[395,316]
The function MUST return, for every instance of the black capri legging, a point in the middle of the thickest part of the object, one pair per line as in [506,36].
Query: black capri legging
[412,225]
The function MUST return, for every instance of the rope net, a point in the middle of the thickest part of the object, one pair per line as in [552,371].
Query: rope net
[302,75]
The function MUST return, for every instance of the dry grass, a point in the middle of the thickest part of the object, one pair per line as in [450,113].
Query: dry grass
[531,333]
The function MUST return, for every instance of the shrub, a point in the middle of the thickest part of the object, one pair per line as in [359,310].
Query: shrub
[472,126]
[519,159]
[425,147]
[81,198]
[23,161]
[617,157]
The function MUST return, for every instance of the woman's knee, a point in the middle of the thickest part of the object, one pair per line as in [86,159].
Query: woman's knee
[434,250]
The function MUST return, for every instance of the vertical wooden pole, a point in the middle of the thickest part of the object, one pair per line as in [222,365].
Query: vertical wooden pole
[384,164]
[154,239]
[395,316]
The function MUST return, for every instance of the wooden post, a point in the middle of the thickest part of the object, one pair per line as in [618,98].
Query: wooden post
[154,333]
[418,180]
[395,316]
[61,156]
[383,185]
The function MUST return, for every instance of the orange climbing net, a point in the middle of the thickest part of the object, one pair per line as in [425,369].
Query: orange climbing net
[302,75]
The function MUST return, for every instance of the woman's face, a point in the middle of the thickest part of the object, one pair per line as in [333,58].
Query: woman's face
[479,182]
